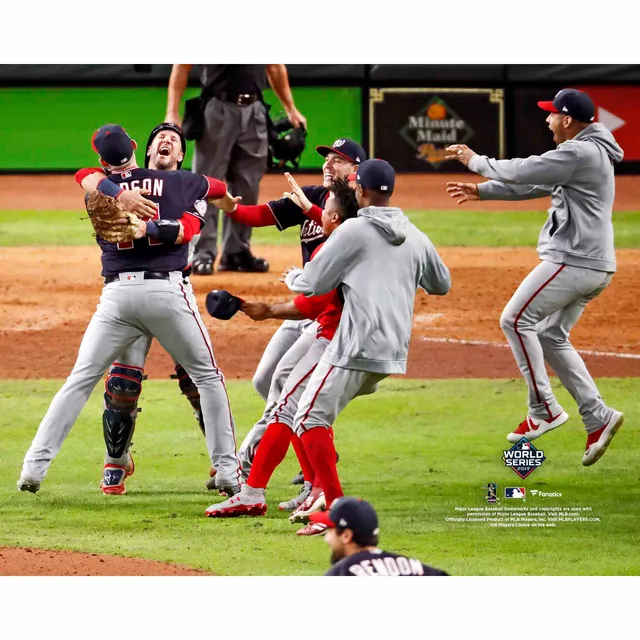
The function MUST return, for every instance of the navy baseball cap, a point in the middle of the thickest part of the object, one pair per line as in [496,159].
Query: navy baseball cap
[346,148]
[571,102]
[113,144]
[350,513]
[377,175]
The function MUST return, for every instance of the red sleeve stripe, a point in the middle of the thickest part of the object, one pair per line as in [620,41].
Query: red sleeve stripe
[191,225]
[83,173]
[217,188]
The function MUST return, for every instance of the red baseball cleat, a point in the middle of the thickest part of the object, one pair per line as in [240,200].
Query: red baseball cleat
[532,428]
[598,441]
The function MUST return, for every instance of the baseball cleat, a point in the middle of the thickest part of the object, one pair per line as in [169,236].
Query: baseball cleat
[250,502]
[312,529]
[298,479]
[211,482]
[113,477]
[532,428]
[315,501]
[202,267]
[130,467]
[294,503]
[598,441]
[27,484]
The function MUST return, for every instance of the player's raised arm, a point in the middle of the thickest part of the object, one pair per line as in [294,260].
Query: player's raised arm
[463,192]
[177,84]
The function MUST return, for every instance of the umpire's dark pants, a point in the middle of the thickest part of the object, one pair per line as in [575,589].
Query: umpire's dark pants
[233,148]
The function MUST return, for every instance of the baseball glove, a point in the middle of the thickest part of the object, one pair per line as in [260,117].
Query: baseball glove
[104,211]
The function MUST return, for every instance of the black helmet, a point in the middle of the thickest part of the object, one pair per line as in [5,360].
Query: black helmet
[286,143]
[163,127]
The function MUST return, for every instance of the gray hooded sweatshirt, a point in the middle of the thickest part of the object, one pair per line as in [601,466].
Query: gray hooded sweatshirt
[578,175]
[378,260]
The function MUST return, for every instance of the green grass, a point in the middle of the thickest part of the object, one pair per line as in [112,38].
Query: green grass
[417,449]
[445,228]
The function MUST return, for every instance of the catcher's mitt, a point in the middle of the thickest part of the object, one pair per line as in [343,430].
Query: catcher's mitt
[104,211]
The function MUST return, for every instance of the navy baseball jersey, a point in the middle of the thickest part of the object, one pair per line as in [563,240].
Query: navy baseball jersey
[288,214]
[175,192]
[381,563]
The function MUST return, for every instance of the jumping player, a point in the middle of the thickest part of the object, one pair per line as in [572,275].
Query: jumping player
[165,151]
[577,261]
[144,294]
[378,260]
[342,159]
[326,310]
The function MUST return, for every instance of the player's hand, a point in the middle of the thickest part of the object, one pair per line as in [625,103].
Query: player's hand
[135,202]
[227,203]
[256,310]
[142,230]
[460,152]
[283,277]
[463,191]
[297,194]
[296,118]
[173,116]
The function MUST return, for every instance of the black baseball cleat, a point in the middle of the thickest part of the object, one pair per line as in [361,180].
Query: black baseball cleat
[244,261]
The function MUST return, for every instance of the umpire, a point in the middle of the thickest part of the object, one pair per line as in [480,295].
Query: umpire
[233,147]
[352,535]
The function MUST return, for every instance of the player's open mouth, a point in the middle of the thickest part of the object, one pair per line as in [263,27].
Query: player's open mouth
[164,151]
[328,176]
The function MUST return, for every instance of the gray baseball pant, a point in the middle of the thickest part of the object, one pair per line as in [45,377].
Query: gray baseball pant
[537,322]
[233,148]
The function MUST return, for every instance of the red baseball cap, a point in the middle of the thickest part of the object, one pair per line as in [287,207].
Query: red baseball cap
[349,513]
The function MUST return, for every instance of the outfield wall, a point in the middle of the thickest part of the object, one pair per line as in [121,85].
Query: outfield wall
[405,113]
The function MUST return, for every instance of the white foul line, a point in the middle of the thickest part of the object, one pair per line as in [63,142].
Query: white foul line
[501,345]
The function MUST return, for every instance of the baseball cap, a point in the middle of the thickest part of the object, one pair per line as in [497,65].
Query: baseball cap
[377,175]
[571,102]
[164,126]
[350,513]
[346,148]
[113,144]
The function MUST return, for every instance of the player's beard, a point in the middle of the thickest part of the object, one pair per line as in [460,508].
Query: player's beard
[165,163]
[336,555]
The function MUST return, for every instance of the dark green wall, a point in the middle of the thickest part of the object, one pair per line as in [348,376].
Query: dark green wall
[50,129]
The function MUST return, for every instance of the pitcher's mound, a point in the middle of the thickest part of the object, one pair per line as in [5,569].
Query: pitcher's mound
[43,562]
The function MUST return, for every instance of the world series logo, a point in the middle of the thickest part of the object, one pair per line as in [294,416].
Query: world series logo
[523,458]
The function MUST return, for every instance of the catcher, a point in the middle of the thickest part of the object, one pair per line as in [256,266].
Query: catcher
[144,295]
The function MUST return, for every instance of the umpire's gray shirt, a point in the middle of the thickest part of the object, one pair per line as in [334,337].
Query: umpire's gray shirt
[378,260]
[579,176]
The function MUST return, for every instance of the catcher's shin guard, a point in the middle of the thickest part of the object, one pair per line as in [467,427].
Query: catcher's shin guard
[122,390]
[190,390]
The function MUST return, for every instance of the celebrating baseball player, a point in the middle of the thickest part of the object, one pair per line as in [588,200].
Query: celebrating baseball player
[326,310]
[378,260]
[301,206]
[144,295]
[577,261]
[165,151]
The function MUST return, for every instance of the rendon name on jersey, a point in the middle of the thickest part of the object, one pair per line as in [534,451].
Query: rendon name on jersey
[177,193]
[381,563]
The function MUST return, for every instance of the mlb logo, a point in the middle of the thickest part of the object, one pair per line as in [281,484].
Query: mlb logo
[524,446]
[515,492]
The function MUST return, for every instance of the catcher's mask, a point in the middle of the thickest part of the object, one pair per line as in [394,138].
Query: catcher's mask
[163,127]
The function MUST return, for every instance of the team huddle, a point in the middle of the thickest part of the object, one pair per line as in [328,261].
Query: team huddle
[348,320]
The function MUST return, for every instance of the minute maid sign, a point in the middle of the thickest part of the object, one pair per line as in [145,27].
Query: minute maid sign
[411,128]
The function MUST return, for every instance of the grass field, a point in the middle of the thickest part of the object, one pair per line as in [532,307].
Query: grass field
[445,228]
[416,449]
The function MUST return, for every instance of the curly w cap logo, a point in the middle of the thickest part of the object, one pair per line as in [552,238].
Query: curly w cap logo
[338,143]
[523,458]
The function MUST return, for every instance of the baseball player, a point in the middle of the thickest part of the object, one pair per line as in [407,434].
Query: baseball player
[342,159]
[326,310]
[352,534]
[144,295]
[577,261]
[165,151]
[378,260]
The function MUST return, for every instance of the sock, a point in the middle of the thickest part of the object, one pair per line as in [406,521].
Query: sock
[271,452]
[305,465]
[322,455]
